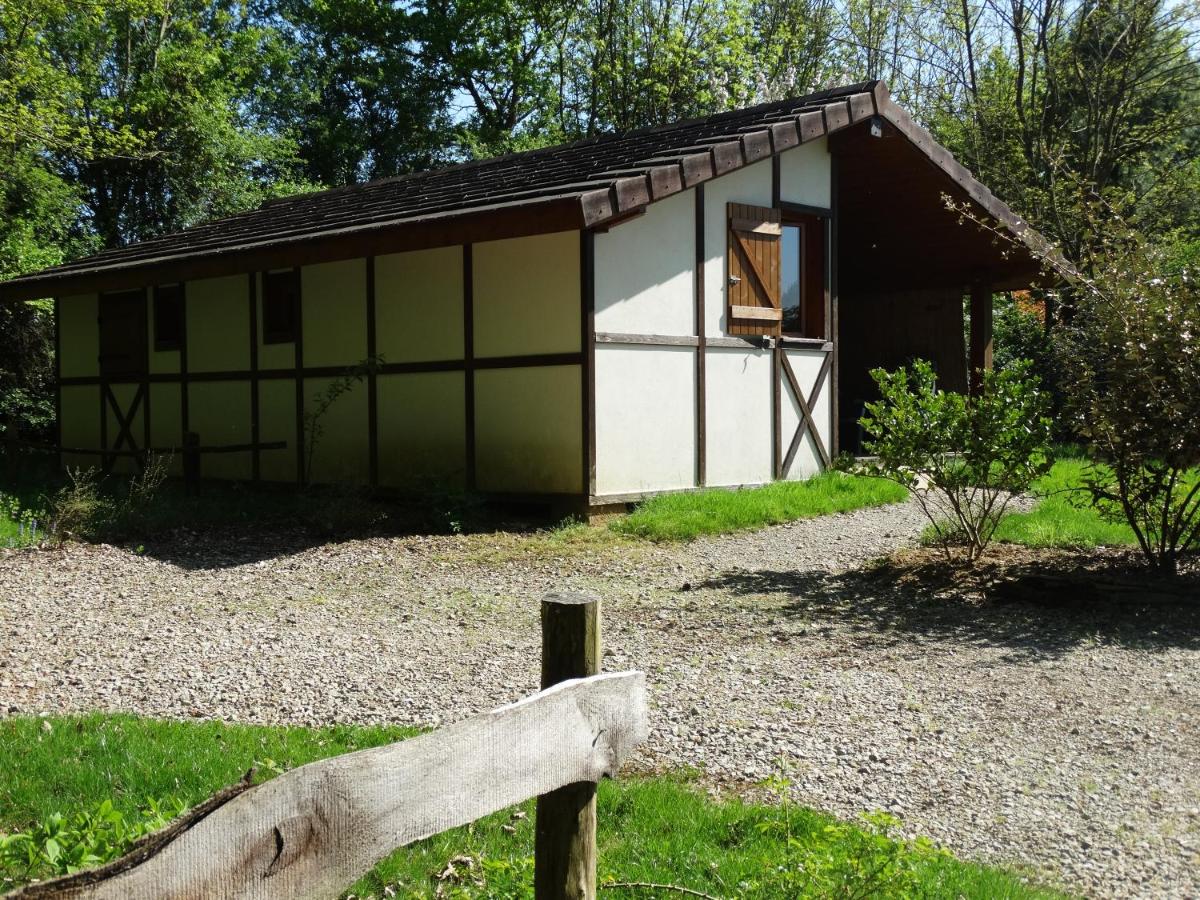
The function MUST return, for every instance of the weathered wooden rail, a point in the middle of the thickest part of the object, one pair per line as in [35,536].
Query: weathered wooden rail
[311,832]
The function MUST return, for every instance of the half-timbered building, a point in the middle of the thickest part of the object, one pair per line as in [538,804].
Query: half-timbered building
[690,305]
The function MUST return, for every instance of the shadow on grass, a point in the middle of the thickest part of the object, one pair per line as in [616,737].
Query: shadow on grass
[225,524]
[937,603]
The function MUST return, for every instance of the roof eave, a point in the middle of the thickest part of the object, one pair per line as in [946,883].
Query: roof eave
[541,216]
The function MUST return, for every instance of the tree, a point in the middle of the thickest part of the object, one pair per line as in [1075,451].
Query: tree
[350,81]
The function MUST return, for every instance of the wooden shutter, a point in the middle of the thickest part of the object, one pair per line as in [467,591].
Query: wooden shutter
[755,234]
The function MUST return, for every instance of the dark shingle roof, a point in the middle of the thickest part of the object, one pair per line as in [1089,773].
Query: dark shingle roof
[589,182]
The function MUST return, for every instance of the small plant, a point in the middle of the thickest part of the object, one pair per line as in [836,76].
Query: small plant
[79,508]
[859,859]
[20,525]
[963,458]
[343,384]
[61,846]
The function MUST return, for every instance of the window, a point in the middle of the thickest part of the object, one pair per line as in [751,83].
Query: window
[802,276]
[123,345]
[168,317]
[281,306]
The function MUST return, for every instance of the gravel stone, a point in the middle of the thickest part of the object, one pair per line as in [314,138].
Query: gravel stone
[1061,743]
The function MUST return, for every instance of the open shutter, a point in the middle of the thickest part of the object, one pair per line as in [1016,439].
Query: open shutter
[755,234]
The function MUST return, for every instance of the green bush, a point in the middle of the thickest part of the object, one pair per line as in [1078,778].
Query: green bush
[963,458]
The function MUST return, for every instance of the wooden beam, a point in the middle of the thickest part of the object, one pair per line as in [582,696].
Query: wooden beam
[298,359]
[701,342]
[981,334]
[468,280]
[312,831]
[255,415]
[587,340]
[565,832]
[372,379]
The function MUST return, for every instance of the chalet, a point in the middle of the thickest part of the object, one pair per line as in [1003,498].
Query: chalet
[695,304]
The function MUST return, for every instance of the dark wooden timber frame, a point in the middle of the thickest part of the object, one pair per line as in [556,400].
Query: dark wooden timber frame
[372,379]
[981,334]
[299,375]
[468,280]
[587,342]
[255,418]
[701,345]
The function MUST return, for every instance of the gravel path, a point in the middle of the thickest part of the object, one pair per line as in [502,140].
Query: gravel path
[1060,742]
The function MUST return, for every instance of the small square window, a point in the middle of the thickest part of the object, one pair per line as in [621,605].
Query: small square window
[281,306]
[168,317]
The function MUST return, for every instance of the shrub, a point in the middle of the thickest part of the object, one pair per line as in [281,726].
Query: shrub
[963,458]
[1130,354]
[1127,347]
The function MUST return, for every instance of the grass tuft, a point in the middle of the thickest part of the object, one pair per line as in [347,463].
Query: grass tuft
[684,517]
[1058,520]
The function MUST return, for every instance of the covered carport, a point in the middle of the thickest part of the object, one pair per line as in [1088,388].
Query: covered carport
[910,270]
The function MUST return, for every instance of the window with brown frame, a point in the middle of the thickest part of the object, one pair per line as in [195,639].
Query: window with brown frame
[169,326]
[776,268]
[280,306]
[802,276]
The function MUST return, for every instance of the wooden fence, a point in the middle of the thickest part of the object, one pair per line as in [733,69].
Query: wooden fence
[313,831]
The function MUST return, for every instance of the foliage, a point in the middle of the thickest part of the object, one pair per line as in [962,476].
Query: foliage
[686,516]
[1130,354]
[963,458]
[26,370]
[61,846]
[859,860]
[658,830]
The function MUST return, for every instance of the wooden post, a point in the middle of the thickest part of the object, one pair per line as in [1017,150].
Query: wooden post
[191,461]
[981,334]
[565,843]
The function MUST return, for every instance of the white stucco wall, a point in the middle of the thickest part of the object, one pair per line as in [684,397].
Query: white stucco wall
[419,305]
[806,364]
[804,174]
[738,416]
[749,185]
[645,418]
[526,295]
[645,271]
[529,430]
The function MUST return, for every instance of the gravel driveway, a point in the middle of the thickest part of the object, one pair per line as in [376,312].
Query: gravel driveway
[1063,743]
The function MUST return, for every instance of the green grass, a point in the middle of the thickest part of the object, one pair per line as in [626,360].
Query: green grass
[654,830]
[683,517]
[1058,522]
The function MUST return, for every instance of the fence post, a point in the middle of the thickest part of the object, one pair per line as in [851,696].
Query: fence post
[191,461]
[565,842]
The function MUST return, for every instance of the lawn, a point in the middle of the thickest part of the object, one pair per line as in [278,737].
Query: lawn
[1056,521]
[685,516]
[659,830]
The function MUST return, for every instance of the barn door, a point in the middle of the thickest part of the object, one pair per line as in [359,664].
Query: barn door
[124,363]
